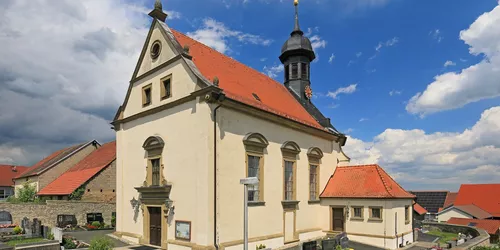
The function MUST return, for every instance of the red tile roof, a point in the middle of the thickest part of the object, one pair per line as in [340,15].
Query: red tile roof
[48,162]
[8,172]
[240,82]
[491,226]
[364,181]
[450,198]
[419,209]
[485,196]
[82,171]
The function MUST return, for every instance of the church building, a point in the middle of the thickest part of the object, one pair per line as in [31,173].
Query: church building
[194,122]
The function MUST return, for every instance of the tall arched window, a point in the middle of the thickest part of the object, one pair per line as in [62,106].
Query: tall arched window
[255,145]
[314,155]
[290,150]
[154,170]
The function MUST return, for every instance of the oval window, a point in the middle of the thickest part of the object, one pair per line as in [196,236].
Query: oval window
[155,49]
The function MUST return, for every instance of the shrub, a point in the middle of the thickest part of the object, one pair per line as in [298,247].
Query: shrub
[50,236]
[18,230]
[101,243]
[68,243]
[27,192]
[96,224]
[260,246]
[77,194]
[113,221]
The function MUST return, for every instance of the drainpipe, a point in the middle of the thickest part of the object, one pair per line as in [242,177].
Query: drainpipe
[219,97]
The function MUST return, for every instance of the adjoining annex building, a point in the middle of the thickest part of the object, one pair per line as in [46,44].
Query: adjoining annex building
[194,122]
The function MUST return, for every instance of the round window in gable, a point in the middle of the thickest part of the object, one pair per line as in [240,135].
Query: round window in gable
[155,49]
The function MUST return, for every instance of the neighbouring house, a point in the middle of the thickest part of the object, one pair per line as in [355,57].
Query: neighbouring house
[431,201]
[473,201]
[91,179]
[7,174]
[195,122]
[53,166]
[450,199]
[490,226]
[419,212]
[367,204]
[462,211]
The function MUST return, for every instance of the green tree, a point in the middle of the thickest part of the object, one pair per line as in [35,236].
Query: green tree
[27,193]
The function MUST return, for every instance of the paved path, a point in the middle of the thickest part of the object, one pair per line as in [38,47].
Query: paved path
[422,237]
[87,236]
[360,246]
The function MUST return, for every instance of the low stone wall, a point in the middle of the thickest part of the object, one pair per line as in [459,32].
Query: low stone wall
[481,237]
[47,212]
[46,245]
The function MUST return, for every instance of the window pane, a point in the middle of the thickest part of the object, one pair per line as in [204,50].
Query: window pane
[155,163]
[288,180]
[376,213]
[287,72]
[295,70]
[253,171]
[357,212]
[147,94]
[166,85]
[313,180]
[303,70]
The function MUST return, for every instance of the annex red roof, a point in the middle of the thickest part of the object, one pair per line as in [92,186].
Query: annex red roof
[8,172]
[450,198]
[485,196]
[491,226]
[364,181]
[240,82]
[82,171]
[419,209]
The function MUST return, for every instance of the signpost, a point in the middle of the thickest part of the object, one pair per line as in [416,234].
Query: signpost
[246,181]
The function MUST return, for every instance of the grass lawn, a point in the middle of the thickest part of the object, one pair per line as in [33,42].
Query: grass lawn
[443,236]
[23,241]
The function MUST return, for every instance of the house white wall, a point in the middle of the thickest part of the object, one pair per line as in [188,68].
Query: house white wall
[445,215]
[377,233]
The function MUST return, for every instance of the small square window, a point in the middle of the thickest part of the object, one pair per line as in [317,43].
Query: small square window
[376,213]
[357,212]
[166,87]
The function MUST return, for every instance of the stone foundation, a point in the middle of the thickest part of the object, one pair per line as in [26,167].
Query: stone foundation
[47,212]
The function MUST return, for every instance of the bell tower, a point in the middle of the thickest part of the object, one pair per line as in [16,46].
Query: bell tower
[296,55]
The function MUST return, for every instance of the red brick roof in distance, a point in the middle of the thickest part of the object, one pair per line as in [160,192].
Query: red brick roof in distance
[82,171]
[419,209]
[363,181]
[8,172]
[491,226]
[450,198]
[485,196]
[240,82]
[47,162]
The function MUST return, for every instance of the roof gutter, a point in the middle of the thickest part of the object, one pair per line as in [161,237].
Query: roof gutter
[61,160]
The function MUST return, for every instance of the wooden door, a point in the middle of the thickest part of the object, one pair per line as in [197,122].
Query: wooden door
[155,226]
[338,219]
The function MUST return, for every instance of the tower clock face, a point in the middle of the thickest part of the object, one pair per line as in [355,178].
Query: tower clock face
[308,91]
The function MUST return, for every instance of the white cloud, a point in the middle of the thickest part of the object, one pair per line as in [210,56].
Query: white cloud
[344,90]
[389,43]
[316,41]
[330,60]
[440,159]
[449,63]
[273,71]
[363,119]
[216,35]
[395,92]
[453,90]
[463,60]
[436,35]
[359,54]
[351,62]
[349,130]
[263,59]
[66,69]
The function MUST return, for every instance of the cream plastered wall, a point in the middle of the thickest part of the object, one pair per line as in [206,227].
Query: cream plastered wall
[372,229]
[183,83]
[268,219]
[186,132]
[167,51]
[18,183]
[445,216]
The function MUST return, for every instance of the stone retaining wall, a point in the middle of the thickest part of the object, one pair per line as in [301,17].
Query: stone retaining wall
[481,237]
[47,212]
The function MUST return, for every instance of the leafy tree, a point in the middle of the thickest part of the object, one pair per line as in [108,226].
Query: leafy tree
[27,193]
[78,193]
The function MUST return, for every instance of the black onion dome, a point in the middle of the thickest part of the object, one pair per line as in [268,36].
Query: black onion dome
[297,44]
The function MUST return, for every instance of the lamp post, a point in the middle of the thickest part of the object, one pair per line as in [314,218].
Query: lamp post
[246,182]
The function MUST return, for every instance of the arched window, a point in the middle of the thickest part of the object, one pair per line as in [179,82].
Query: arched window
[290,150]
[255,145]
[154,170]
[314,155]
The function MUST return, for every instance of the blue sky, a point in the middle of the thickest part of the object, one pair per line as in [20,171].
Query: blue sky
[414,84]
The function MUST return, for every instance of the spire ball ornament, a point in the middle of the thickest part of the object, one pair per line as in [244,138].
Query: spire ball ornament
[295,2]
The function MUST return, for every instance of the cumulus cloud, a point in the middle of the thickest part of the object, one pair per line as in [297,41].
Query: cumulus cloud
[218,36]
[343,90]
[435,160]
[273,71]
[449,63]
[63,72]
[453,90]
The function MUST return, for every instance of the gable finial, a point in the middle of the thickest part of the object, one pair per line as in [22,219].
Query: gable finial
[157,12]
